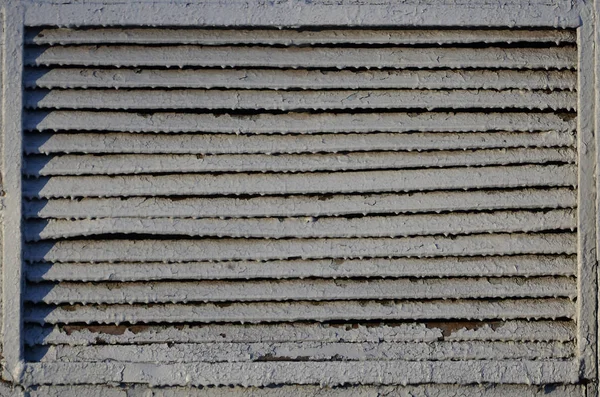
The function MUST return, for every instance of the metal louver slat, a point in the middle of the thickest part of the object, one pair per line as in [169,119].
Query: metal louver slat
[183,250]
[523,265]
[215,291]
[515,330]
[432,79]
[563,57]
[292,37]
[300,183]
[301,205]
[377,226]
[308,373]
[229,352]
[296,123]
[109,143]
[148,164]
[297,206]
[295,100]
[304,311]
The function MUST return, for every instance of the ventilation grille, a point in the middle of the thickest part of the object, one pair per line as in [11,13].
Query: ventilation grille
[271,206]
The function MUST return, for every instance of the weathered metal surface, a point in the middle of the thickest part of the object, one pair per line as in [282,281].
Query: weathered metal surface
[317,290]
[149,164]
[336,372]
[73,77]
[299,311]
[505,331]
[58,36]
[563,57]
[302,183]
[299,100]
[507,266]
[301,205]
[106,142]
[143,250]
[296,123]
[305,351]
[369,226]
[415,223]
[317,391]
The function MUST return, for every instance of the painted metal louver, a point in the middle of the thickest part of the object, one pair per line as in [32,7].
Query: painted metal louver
[263,207]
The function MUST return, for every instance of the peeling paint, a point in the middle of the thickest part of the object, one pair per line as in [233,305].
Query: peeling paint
[272,211]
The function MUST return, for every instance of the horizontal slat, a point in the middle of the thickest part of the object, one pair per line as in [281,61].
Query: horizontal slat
[148,164]
[261,249]
[292,37]
[318,290]
[372,226]
[300,79]
[285,183]
[296,311]
[82,335]
[508,331]
[430,390]
[238,56]
[298,100]
[322,205]
[303,351]
[505,266]
[239,144]
[90,390]
[298,123]
[323,373]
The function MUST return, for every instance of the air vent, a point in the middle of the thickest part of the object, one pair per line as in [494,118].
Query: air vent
[261,207]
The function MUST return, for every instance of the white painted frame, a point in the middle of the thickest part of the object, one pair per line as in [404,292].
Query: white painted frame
[577,14]
[12,262]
